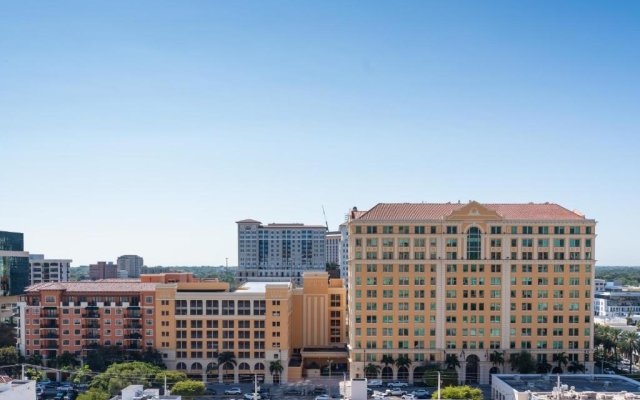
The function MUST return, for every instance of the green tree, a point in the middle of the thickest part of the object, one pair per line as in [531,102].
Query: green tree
[81,375]
[9,355]
[403,361]
[152,356]
[522,362]
[34,359]
[35,374]
[188,388]
[459,392]
[100,357]
[448,377]
[629,345]
[173,377]
[372,371]
[119,376]
[561,359]
[7,335]
[275,368]
[67,359]
[496,358]
[451,361]
[226,359]
[94,394]
[576,367]
[387,360]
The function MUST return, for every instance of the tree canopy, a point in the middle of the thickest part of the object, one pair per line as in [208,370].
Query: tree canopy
[119,376]
[188,388]
[459,392]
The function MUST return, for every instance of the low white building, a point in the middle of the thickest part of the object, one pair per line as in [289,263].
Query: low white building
[48,270]
[138,392]
[563,387]
[17,389]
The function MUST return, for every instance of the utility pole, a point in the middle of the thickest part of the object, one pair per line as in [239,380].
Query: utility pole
[165,384]
[438,385]
[23,377]
[226,260]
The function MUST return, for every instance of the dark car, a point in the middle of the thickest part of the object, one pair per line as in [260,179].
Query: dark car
[210,388]
[319,390]
[293,392]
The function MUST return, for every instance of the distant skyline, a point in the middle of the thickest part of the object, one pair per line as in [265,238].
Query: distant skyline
[151,127]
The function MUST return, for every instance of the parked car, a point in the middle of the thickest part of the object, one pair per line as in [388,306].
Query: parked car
[252,396]
[323,397]
[395,392]
[234,390]
[210,388]
[421,394]
[319,390]
[397,384]
[293,392]
[408,396]
[374,383]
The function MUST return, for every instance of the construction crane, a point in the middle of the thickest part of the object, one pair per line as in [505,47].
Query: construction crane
[325,218]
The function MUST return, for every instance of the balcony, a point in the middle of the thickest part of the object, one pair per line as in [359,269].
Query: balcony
[91,315]
[49,314]
[91,325]
[49,345]
[48,324]
[49,335]
[133,325]
[91,336]
[133,313]
[133,336]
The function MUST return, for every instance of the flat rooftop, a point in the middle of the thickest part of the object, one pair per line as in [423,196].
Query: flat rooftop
[581,382]
[258,287]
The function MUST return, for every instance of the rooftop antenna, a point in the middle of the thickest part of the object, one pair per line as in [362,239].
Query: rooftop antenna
[325,218]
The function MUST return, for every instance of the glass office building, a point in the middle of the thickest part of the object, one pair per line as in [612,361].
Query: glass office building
[14,264]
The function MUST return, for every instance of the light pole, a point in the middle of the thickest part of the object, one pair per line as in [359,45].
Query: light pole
[330,362]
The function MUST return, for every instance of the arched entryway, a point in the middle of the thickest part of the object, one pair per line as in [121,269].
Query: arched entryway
[418,375]
[387,374]
[403,374]
[472,369]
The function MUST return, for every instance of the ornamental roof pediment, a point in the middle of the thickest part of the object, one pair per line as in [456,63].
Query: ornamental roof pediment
[474,211]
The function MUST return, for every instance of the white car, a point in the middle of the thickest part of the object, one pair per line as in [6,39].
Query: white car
[395,392]
[235,390]
[323,397]
[408,397]
[250,396]
[420,394]
[397,384]
[374,383]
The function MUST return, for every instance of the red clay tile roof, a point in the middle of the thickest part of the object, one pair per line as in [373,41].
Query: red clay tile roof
[438,211]
[93,286]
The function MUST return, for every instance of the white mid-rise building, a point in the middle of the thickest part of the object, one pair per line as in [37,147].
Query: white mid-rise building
[332,247]
[48,270]
[279,252]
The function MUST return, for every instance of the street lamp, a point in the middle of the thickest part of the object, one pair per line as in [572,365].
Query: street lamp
[330,362]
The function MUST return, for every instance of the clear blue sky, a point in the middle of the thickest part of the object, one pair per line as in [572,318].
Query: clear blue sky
[149,127]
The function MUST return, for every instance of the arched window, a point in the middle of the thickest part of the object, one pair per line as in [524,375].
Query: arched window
[259,367]
[474,244]
[181,366]
[244,367]
[196,366]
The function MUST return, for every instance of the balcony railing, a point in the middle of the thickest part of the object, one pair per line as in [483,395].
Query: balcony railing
[48,324]
[91,314]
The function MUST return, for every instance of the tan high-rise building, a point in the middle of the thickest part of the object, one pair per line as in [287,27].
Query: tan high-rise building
[470,280]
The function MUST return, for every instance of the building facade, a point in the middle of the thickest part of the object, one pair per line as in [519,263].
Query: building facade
[103,270]
[332,247]
[192,322]
[279,252]
[132,264]
[14,265]
[48,270]
[344,253]
[72,316]
[259,323]
[470,280]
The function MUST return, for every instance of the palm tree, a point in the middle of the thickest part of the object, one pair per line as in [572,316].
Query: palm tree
[451,361]
[225,359]
[630,345]
[372,370]
[275,367]
[562,359]
[387,360]
[576,367]
[403,361]
[496,358]
[522,362]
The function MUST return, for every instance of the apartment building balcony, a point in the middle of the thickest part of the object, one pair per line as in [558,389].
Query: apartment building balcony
[49,335]
[132,325]
[48,324]
[133,336]
[91,336]
[49,313]
[133,347]
[133,313]
[91,325]
[49,345]
[91,315]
